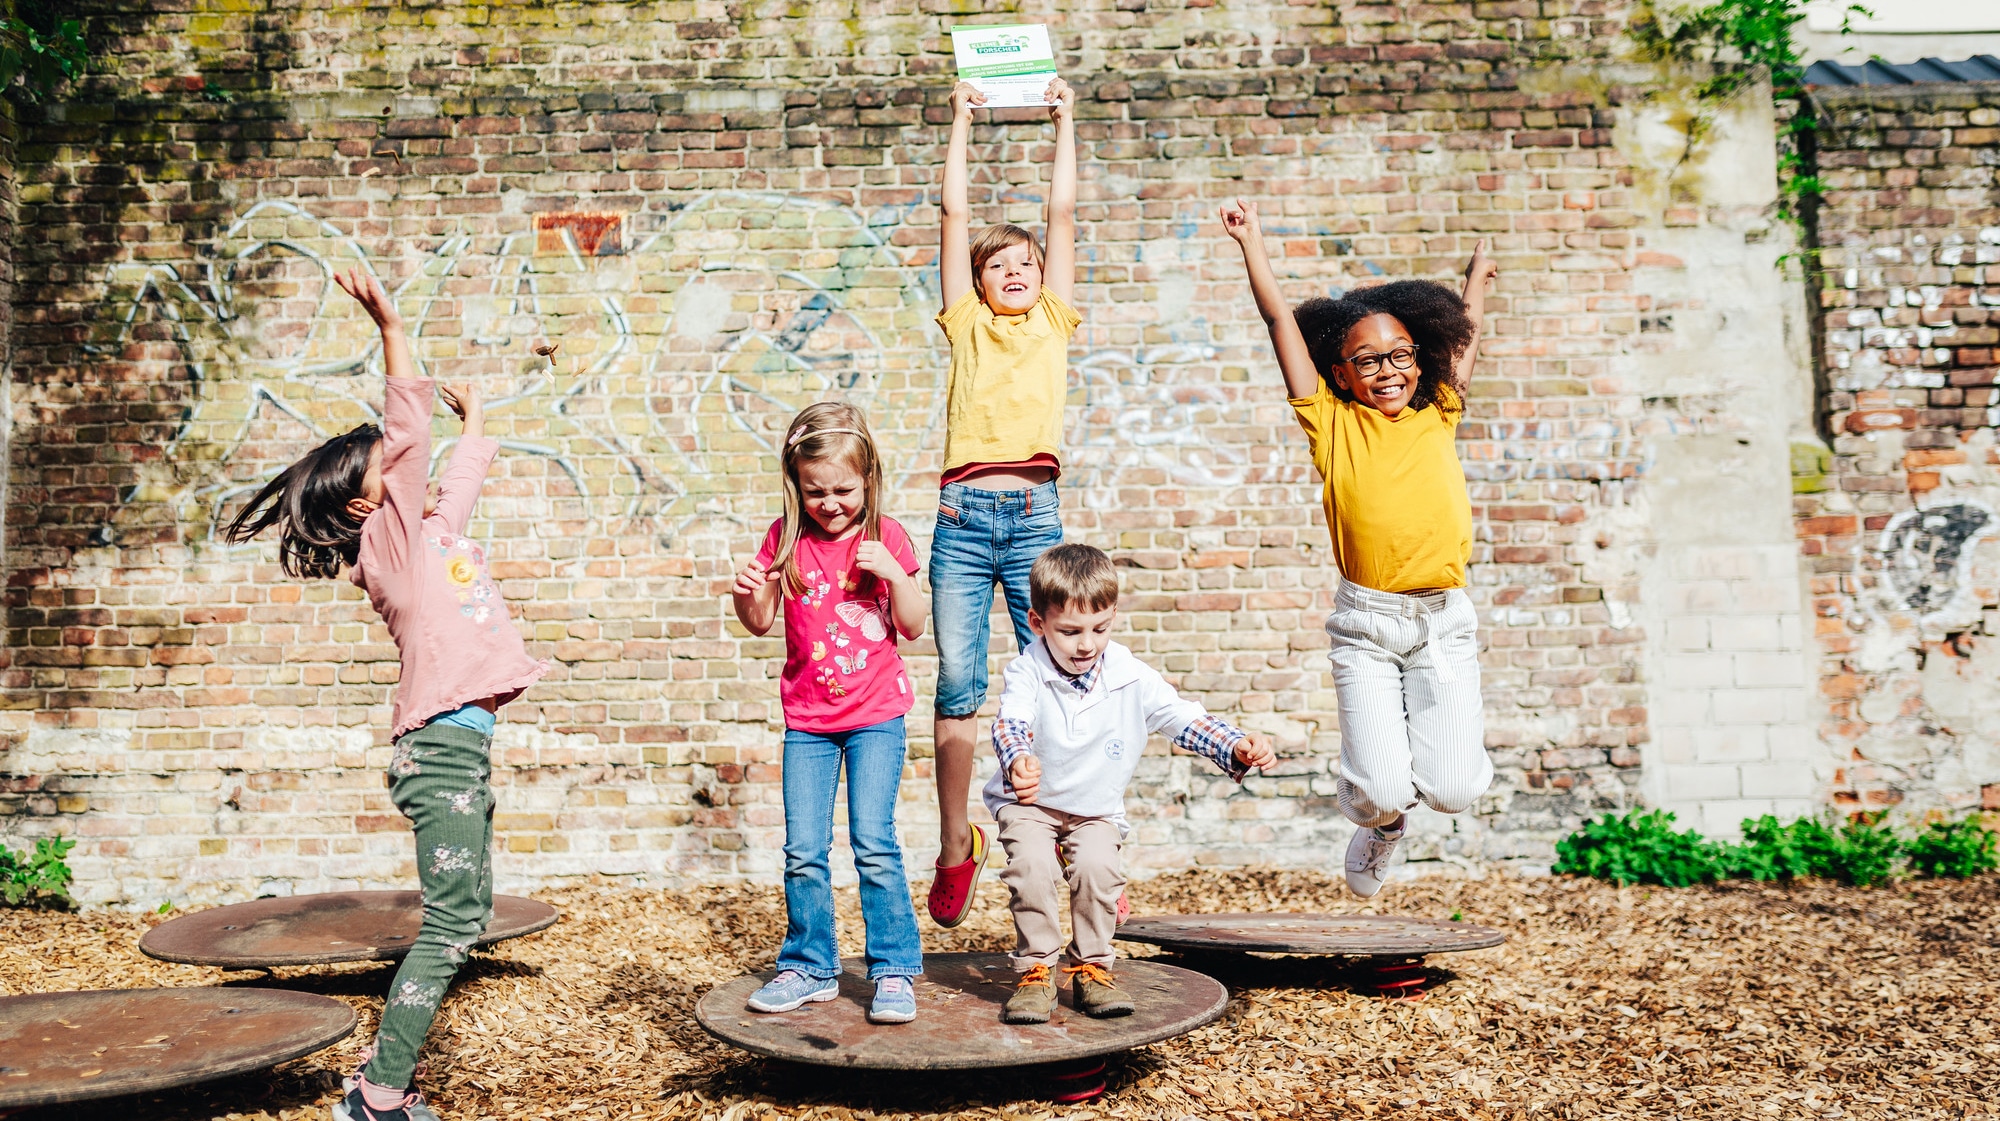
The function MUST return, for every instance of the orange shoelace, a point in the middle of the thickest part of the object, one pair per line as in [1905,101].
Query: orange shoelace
[1090,971]
[1036,975]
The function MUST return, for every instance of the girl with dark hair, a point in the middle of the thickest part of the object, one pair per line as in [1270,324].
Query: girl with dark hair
[845,574]
[360,502]
[1378,380]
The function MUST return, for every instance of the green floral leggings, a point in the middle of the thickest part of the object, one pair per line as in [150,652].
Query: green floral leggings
[439,779]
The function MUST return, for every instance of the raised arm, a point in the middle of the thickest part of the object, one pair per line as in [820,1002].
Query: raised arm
[406,419]
[1059,267]
[955,236]
[458,489]
[1294,360]
[1479,274]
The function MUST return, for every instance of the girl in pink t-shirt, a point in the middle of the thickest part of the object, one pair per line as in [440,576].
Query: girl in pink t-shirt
[847,578]
[359,503]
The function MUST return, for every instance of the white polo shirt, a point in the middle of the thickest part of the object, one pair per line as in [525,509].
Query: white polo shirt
[1088,744]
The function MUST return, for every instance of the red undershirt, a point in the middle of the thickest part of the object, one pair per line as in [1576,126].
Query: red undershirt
[966,471]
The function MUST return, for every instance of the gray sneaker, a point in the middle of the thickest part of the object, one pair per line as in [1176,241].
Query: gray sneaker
[895,1001]
[791,989]
[1368,859]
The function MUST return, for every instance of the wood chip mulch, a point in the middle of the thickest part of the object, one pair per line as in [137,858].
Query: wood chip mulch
[1735,1001]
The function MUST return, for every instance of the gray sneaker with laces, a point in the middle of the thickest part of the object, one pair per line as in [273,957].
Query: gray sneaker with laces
[791,989]
[895,1001]
[1368,859]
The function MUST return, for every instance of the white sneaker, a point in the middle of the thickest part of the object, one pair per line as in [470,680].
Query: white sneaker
[1368,859]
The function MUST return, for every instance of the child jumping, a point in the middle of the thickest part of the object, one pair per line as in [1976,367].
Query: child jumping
[1075,710]
[1378,380]
[1008,317]
[847,575]
[359,502]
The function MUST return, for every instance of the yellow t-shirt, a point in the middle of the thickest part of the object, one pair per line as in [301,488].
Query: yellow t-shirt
[1009,378]
[1395,494]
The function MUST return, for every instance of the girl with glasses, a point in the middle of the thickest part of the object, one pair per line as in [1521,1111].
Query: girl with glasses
[1378,380]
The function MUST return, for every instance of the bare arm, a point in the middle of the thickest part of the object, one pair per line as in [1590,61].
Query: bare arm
[1059,267]
[1479,276]
[955,238]
[1294,360]
[381,307]
[755,598]
[907,605]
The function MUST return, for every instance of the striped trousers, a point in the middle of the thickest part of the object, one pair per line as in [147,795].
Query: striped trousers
[1411,726]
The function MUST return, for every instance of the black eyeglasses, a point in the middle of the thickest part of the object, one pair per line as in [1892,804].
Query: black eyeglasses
[1368,365]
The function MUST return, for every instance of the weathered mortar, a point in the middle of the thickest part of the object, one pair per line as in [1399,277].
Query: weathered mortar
[1898,523]
[211,730]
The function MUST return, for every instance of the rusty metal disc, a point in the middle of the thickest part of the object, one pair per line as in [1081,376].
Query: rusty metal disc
[958,1018]
[321,929]
[1359,935]
[67,1047]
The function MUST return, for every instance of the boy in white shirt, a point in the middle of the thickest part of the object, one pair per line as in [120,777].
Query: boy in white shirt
[1075,711]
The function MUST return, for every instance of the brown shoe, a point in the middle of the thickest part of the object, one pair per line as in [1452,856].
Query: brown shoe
[1096,994]
[1034,998]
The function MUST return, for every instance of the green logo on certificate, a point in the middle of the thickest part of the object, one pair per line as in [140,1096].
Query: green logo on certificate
[1012,64]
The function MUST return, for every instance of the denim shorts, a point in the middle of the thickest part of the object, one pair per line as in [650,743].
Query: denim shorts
[984,537]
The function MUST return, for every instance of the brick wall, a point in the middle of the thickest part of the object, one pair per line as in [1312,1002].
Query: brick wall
[210,729]
[1897,516]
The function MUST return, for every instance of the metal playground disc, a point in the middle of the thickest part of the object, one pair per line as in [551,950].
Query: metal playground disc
[958,1018]
[1357,935]
[67,1047]
[321,929]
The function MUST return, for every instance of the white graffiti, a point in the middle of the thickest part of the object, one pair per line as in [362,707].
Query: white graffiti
[1149,407]
[678,361]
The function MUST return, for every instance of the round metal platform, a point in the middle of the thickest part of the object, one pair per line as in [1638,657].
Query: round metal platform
[958,1018]
[321,929]
[1357,935]
[68,1047]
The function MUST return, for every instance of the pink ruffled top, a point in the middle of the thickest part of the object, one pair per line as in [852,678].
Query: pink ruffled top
[428,580]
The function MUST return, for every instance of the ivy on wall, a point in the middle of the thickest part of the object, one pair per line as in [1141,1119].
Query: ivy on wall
[1738,42]
[41,47]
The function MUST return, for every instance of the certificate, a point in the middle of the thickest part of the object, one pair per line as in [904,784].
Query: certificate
[1012,64]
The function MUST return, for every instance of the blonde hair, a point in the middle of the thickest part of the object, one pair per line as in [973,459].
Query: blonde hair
[827,430]
[1079,575]
[992,240]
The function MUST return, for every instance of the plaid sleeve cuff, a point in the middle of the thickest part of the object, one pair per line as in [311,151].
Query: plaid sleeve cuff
[1011,740]
[1215,740]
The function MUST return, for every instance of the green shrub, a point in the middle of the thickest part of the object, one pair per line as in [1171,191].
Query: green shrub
[1864,852]
[1639,848]
[39,878]
[1644,847]
[1954,849]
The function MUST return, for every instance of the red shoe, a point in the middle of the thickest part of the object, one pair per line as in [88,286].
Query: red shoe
[953,889]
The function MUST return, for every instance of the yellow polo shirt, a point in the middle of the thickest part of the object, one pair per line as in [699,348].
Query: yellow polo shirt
[1396,502]
[1009,379]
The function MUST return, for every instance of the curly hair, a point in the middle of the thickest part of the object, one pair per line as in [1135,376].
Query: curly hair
[1433,314]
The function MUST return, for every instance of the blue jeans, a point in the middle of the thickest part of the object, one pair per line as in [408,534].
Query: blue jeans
[983,537]
[874,757]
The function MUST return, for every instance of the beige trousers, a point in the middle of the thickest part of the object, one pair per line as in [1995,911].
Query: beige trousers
[1032,836]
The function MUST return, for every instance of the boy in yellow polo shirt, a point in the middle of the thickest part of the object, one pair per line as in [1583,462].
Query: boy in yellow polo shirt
[1008,317]
[1378,380]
